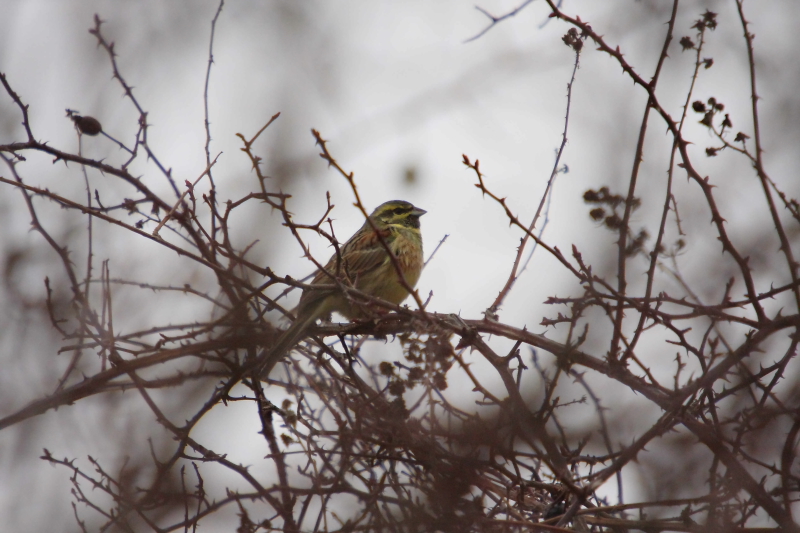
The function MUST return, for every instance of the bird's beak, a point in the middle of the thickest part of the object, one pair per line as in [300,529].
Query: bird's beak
[417,212]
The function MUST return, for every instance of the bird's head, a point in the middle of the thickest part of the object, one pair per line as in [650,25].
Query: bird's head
[397,213]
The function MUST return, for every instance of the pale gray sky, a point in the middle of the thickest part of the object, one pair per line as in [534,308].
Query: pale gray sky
[395,88]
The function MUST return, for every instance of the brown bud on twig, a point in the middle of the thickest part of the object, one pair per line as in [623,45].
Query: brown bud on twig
[86,125]
[698,106]
[598,213]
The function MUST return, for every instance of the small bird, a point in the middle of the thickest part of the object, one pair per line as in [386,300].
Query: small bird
[365,264]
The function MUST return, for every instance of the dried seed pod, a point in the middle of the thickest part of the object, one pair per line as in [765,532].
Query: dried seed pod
[87,125]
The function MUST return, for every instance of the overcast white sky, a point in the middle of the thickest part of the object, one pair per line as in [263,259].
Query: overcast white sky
[396,90]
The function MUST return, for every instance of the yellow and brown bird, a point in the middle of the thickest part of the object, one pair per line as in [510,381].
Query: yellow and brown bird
[364,264]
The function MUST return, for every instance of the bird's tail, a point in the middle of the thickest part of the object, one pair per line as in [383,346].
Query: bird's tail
[286,342]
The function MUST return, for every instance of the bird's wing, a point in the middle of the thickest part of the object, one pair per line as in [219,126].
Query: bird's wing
[357,259]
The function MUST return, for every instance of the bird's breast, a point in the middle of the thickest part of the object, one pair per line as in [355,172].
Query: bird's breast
[408,251]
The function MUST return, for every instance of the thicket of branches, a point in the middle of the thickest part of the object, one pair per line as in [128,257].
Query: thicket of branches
[350,445]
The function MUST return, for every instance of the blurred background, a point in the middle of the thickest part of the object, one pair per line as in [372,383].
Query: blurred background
[400,92]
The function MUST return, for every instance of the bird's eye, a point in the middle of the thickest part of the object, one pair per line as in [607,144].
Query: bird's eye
[398,211]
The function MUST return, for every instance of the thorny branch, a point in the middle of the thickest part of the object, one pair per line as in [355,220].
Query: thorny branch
[350,443]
